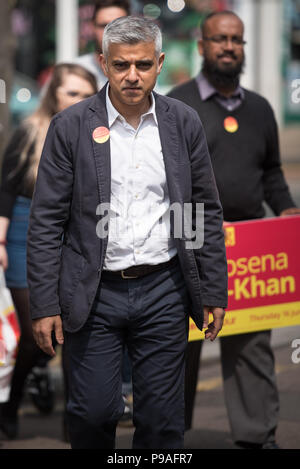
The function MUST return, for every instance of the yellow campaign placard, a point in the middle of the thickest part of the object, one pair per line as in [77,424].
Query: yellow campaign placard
[263,259]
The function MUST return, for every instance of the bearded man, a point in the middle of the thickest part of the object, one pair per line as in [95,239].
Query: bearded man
[242,139]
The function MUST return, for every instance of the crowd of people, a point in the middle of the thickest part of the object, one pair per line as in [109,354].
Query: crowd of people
[119,307]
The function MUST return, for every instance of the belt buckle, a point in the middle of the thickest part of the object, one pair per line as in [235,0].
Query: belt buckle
[127,276]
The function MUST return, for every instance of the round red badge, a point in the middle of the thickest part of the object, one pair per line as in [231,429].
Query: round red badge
[231,124]
[101,134]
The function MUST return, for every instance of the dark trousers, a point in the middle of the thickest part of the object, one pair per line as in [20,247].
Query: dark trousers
[249,381]
[149,314]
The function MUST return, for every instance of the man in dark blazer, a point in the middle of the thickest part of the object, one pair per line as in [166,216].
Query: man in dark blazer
[242,139]
[102,271]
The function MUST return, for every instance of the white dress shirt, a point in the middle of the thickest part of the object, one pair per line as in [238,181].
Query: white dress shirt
[139,228]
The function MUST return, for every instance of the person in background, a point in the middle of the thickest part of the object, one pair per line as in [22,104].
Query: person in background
[68,85]
[245,156]
[105,12]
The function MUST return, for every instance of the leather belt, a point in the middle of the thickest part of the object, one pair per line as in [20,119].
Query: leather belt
[137,271]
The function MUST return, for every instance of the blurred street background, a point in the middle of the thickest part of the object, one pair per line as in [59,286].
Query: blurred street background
[35,35]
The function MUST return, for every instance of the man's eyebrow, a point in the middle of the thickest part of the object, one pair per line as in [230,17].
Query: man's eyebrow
[144,61]
[119,61]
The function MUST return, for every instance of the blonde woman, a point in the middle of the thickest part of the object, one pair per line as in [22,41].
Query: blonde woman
[68,85]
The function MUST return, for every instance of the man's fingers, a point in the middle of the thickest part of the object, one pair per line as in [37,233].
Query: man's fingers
[47,346]
[59,331]
[205,317]
[216,325]
[42,331]
[44,341]
[213,330]
[290,211]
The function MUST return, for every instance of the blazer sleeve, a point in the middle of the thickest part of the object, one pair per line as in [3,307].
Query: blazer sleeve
[211,257]
[49,215]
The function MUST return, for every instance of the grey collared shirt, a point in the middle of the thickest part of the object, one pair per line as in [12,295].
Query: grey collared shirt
[207,90]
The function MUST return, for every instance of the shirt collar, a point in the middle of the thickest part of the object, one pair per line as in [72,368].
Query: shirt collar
[207,90]
[113,114]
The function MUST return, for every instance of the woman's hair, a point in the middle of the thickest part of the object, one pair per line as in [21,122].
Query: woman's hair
[131,30]
[37,124]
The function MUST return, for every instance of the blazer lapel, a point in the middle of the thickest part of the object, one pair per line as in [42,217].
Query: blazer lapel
[98,118]
[170,148]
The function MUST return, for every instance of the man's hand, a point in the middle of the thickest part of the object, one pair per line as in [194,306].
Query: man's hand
[213,329]
[290,211]
[42,330]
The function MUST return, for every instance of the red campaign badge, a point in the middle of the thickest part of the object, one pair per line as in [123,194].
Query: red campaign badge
[231,124]
[101,134]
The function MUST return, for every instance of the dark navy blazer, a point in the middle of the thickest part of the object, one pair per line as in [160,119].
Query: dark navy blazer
[64,254]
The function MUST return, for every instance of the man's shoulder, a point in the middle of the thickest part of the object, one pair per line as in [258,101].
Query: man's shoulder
[176,105]
[184,89]
[188,92]
[257,100]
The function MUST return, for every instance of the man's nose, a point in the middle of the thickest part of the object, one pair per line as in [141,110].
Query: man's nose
[228,44]
[132,74]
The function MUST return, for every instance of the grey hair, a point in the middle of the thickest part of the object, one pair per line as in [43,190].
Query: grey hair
[131,30]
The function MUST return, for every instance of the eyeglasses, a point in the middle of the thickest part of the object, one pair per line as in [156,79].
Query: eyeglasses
[221,39]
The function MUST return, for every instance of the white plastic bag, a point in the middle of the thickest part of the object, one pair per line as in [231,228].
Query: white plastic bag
[9,338]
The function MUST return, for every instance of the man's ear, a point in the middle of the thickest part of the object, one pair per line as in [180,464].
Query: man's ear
[200,46]
[161,61]
[103,64]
